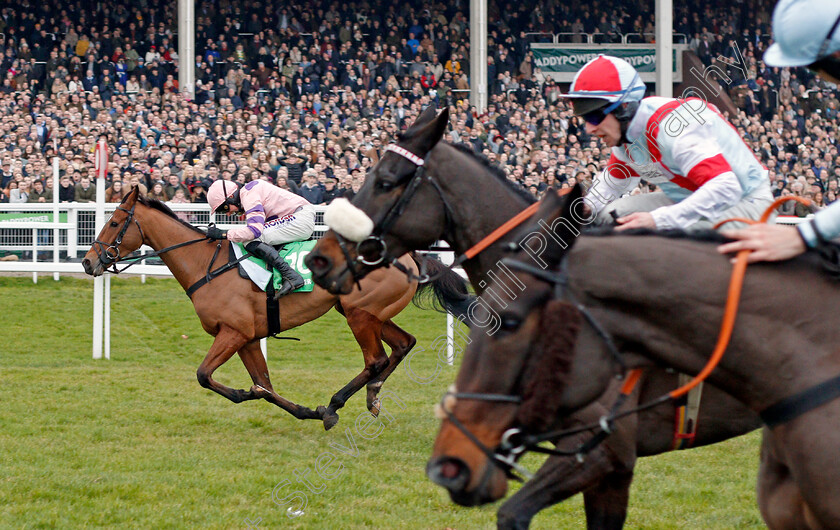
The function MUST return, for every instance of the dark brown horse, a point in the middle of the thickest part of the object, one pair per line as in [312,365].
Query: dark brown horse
[461,200]
[233,309]
[659,301]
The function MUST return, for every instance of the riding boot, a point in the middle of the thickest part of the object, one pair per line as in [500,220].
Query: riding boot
[291,279]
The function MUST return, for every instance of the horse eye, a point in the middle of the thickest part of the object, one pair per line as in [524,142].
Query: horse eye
[384,185]
[114,224]
[510,324]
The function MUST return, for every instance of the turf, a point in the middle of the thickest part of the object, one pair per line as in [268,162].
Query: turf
[135,442]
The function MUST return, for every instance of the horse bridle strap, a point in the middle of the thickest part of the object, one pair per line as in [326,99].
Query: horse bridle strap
[111,253]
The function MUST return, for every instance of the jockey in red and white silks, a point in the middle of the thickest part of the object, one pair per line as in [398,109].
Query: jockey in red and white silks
[686,147]
[705,170]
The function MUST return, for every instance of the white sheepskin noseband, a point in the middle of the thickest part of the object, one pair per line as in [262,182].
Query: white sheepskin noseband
[347,220]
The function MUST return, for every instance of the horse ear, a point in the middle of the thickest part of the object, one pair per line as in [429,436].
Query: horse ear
[131,197]
[555,226]
[565,225]
[425,117]
[432,132]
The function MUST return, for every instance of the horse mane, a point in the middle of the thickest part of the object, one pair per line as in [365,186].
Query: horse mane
[163,208]
[496,171]
[548,368]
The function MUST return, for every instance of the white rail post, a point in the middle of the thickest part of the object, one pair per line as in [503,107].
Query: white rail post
[101,165]
[34,253]
[56,230]
[106,331]
[447,258]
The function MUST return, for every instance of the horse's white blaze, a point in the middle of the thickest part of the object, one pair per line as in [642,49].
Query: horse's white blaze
[347,220]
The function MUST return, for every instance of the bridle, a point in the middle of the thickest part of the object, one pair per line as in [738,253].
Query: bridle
[515,441]
[109,253]
[373,250]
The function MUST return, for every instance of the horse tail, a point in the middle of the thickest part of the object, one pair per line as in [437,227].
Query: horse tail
[448,292]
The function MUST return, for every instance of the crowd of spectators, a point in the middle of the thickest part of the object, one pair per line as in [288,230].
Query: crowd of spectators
[308,94]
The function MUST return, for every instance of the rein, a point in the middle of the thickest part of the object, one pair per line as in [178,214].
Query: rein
[109,253]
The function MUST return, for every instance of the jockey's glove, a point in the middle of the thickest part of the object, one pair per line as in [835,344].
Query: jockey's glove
[213,232]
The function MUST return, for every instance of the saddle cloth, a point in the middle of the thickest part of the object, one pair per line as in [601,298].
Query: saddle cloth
[257,270]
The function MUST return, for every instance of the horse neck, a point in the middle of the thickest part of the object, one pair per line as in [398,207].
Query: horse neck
[188,263]
[663,298]
[480,204]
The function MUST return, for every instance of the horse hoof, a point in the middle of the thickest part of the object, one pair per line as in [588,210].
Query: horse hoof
[330,419]
[375,407]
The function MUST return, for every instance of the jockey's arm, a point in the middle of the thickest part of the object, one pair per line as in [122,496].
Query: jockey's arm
[710,199]
[701,162]
[826,222]
[254,221]
[617,179]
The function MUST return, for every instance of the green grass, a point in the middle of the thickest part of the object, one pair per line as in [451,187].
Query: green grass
[136,442]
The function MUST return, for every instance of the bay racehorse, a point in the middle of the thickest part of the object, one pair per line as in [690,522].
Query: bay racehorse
[596,306]
[233,310]
[459,198]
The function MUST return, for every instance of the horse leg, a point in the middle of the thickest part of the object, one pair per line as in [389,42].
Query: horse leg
[226,343]
[779,499]
[254,362]
[559,478]
[401,343]
[606,502]
[368,332]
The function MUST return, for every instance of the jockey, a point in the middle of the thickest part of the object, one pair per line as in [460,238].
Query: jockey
[807,33]
[705,170]
[274,216]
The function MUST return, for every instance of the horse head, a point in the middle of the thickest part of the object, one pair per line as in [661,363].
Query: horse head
[512,374]
[398,209]
[120,236]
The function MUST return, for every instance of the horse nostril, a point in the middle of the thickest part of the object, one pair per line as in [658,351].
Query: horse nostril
[317,263]
[86,265]
[451,473]
[449,470]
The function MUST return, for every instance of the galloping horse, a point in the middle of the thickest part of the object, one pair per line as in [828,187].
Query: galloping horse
[461,199]
[233,309]
[783,359]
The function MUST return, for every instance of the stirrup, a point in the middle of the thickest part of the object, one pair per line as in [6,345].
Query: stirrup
[285,288]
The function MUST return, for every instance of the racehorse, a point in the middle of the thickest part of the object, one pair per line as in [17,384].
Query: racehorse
[557,354]
[233,310]
[460,199]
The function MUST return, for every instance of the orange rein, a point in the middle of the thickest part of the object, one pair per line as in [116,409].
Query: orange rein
[735,286]
[508,225]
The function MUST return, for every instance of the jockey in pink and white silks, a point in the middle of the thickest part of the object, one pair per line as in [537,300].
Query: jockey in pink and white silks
[705,170]
[273,216]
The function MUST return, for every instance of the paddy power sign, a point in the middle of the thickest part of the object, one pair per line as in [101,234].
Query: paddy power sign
[40,217]
[563,61]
